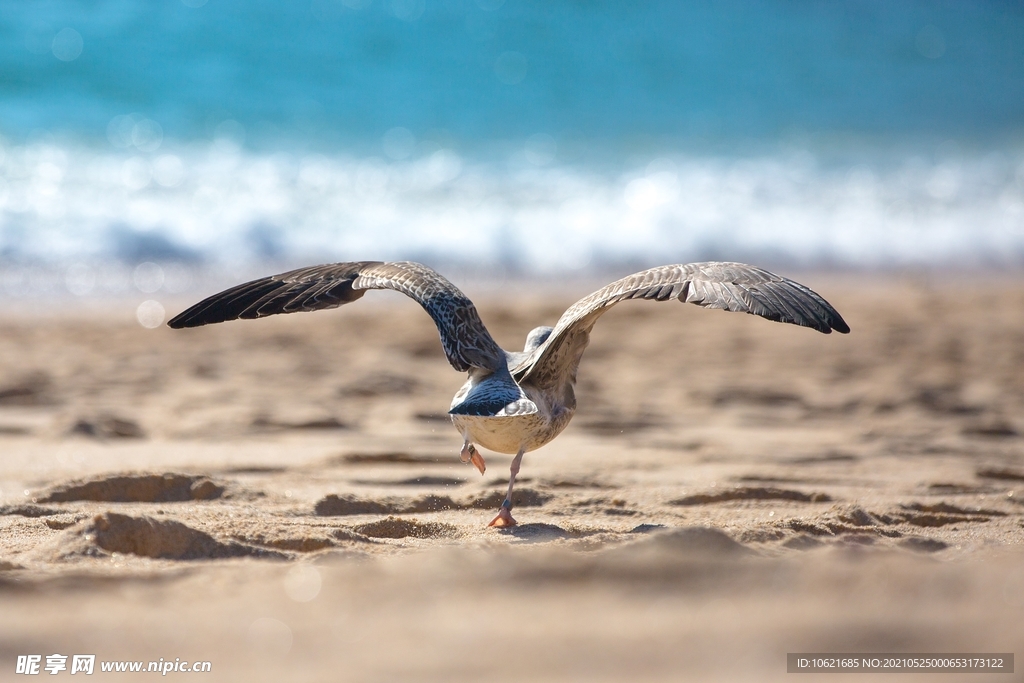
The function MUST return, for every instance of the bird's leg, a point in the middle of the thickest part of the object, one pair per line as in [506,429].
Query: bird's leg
[504,518]
[471,454]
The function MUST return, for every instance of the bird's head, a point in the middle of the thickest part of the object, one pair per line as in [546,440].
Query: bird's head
[537,336]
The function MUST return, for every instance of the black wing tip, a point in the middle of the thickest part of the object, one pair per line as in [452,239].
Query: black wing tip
[833,323]
[194,318]
[182,321]
[825,319]
[825,324]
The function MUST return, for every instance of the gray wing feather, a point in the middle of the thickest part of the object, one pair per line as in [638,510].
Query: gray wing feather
[466,341]
[726,286]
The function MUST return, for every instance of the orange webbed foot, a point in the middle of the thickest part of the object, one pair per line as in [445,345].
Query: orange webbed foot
[471,454]
[504,519]
[478,460]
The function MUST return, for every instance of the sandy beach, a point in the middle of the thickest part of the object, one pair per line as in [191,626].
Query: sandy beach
[284,498]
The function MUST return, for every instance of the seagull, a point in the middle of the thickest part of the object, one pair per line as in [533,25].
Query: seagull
[516,401]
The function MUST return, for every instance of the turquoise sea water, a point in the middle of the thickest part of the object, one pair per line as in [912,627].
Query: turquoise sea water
[540,136]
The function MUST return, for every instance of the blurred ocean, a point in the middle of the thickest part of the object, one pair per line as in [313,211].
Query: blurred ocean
[531,136]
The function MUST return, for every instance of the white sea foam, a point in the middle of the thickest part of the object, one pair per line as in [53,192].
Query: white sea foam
[88,211]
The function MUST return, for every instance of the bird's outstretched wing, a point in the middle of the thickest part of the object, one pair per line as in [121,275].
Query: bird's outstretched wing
[728,286]
[466,341]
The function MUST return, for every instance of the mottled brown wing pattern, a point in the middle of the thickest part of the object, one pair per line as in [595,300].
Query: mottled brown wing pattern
[727,286]
[465,340]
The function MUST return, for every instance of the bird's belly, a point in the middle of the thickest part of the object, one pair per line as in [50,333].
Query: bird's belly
[509,434]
